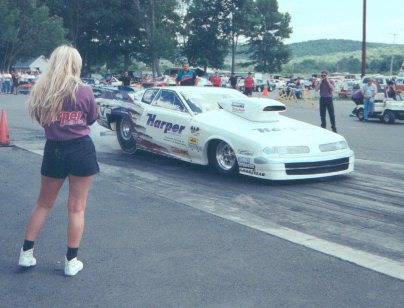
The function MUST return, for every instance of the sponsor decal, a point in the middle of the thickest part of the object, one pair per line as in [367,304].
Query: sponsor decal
[103,111]
[173,140]
[245,162]
[167,127]
[252,172]
[71,118]
[195,130]
[245,152]
[195,148]
[178,151]
[192,140]
[279,129]
[237,107]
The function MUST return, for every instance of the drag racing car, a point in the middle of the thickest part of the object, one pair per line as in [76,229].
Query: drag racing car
[226,130]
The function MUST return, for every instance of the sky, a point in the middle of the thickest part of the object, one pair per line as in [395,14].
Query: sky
[342,19]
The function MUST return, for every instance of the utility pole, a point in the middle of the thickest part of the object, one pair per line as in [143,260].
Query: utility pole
[392,56]
[363,72]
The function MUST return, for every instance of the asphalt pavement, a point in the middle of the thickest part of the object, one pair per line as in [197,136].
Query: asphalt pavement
[143,250]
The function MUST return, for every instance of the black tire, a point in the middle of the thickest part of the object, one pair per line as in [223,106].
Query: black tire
[360,114]
[388,117]
[124,133]
[222,158]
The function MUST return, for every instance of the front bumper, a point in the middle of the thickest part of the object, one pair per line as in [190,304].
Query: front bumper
[301,168]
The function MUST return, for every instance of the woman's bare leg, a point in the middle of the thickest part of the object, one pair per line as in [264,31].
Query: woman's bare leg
[76,204]
[47,195]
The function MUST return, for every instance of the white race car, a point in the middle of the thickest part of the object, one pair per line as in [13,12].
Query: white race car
[224,129]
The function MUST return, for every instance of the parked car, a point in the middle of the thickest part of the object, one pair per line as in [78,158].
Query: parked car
[347,88]
[161,81]
[400,84]
[226,130]
[203,82]
[113,81]
[90,81]
[380,81]
[278,82]
[25,87]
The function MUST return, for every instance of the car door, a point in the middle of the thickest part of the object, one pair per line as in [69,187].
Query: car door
[166,122]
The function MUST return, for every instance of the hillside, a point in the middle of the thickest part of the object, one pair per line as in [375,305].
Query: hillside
[337,55]
[326,47]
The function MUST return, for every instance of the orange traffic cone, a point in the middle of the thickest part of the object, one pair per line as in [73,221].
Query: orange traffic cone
[4,136]
[265,91]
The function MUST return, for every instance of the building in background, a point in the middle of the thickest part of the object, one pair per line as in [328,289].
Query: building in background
[32,65]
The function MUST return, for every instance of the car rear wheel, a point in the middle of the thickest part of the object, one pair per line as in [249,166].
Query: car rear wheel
[222,158]
[388,117]
[124,133]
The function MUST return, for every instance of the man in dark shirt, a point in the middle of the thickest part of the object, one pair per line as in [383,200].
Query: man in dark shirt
[326,87]
[125,79]
[233,81]
[186,76]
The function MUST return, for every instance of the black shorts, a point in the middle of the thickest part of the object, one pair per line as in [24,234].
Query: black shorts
[76,157]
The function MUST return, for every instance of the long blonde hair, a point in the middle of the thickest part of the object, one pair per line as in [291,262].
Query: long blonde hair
[56,85]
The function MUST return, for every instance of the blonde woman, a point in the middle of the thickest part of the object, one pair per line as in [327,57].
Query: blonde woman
[65,108]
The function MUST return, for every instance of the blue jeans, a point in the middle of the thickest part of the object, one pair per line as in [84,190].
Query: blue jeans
[367,104]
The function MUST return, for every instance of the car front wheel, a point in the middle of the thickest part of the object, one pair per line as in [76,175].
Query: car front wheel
[124,133]
[222,158]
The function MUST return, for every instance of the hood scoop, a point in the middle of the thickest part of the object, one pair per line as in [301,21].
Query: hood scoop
[254,109]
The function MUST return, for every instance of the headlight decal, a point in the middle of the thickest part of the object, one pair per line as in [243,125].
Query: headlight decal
[286,150]
[333,146]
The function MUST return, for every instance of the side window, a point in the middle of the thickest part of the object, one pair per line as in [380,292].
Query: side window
[169,100]
[123,96]
[149,95]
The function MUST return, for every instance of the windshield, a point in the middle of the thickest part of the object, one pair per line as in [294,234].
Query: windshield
[208,101]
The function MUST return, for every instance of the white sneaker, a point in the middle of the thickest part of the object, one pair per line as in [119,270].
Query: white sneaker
[73,266]
[27,258]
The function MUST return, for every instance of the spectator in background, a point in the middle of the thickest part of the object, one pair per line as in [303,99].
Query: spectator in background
[248,84]
[326,87]
[125,79]
[233,81]
[369,91]
[15,79]
[7,83]
[186,76]
[224,81]
[391,90]
[108,76]
[1,82]
[357,98]
[215,80]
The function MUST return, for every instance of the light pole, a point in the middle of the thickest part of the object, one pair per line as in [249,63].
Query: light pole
[363,72]
[392,56]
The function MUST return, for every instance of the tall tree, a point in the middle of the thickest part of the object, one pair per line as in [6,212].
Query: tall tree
[27,30]
[266,48]
[204,23]
[241,18]
[161,23]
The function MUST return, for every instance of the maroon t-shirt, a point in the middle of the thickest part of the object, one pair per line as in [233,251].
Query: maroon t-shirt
[74,119]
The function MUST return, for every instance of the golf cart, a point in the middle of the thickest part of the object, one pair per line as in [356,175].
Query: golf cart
[386,110]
